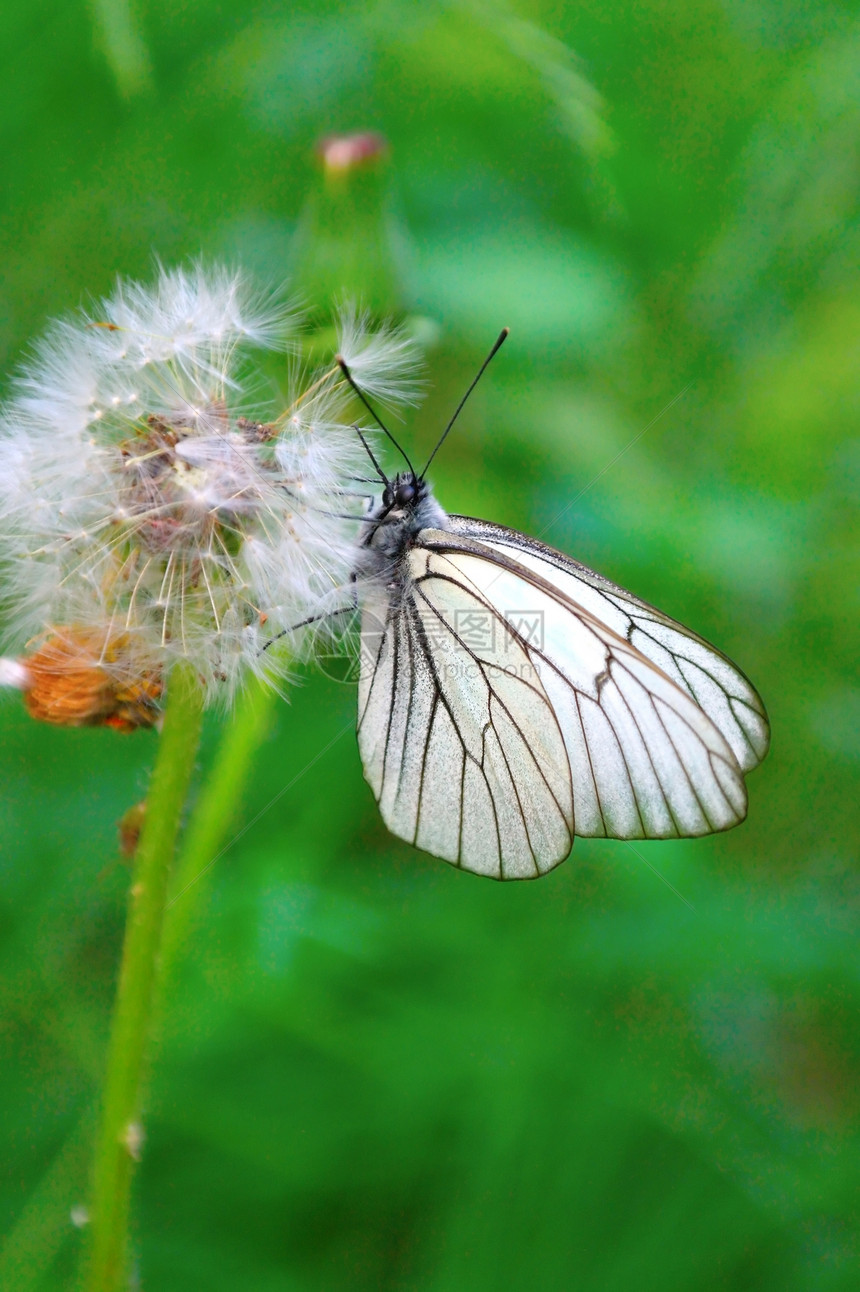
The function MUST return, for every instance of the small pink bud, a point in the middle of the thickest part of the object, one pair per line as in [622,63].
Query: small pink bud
[340,153]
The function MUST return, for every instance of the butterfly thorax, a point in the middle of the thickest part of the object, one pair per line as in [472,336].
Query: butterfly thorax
[392,526]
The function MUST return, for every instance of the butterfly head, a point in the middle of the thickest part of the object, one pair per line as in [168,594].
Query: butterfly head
[404,492]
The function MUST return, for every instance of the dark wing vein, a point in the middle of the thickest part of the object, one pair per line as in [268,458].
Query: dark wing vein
[395,680]
[576,696]
[418,628]
[375,666]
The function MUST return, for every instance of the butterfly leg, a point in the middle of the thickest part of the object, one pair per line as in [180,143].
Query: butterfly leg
[312,619]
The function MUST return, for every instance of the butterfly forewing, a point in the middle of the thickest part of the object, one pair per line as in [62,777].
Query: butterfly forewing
[645,760]
[717,685]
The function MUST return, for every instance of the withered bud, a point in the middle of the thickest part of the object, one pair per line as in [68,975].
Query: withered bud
[76,679]
[129,828]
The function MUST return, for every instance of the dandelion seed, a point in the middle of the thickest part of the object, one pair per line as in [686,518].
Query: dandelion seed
[381,361]
[152,513]
[13,673]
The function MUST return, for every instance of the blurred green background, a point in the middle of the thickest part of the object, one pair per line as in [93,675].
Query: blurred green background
[374,1071]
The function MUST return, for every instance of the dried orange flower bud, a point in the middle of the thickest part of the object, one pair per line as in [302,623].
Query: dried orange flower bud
[76,679]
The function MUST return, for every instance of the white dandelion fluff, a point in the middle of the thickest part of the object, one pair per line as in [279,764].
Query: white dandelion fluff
[382,360]
[150,513]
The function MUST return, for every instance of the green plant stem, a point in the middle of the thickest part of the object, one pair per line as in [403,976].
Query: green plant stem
[119,1136]
[213,815]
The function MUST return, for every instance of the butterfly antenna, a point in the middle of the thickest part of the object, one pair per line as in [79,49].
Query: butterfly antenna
[502,337]
[369,451]
[342,364]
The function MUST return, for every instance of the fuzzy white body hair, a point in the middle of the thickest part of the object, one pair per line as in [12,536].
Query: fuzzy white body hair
[390,530]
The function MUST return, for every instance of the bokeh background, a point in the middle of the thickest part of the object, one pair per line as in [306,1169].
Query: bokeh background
[375,1072]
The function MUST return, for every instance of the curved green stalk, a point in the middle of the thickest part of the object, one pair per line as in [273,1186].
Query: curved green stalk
[120,1133]
[214,813]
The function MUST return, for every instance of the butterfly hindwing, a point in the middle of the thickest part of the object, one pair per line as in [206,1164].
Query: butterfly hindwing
[458,737]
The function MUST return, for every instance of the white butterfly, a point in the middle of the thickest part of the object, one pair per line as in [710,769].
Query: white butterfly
[510,698]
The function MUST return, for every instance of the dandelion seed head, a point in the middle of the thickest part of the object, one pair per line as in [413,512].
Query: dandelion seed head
[152,513]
